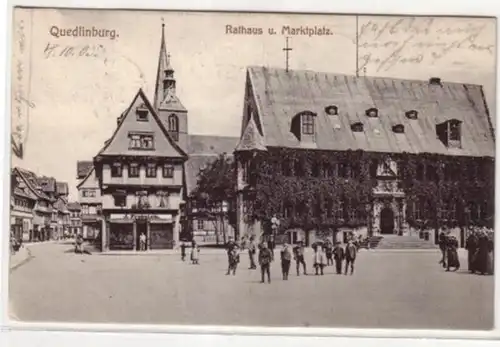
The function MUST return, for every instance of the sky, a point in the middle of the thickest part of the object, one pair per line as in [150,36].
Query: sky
[68,91]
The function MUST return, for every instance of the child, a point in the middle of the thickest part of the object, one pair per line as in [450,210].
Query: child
[318,259]
[195,253]
[234,259]
[338,254]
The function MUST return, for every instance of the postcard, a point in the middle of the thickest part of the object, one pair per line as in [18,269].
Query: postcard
[252,169]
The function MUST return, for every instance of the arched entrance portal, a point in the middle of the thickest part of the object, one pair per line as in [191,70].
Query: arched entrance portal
[387,221]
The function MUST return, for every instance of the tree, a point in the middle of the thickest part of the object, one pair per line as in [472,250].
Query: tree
[215,194]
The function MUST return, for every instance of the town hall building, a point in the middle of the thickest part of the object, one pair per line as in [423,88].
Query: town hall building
[324,152]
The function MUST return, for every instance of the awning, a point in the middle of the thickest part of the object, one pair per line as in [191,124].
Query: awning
[122,221]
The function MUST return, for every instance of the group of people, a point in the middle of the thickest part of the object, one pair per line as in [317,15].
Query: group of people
[325,254]
[195,252]
[479,246]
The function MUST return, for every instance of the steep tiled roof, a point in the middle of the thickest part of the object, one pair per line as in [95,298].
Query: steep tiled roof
[211,144]
[74,206]
[281,95]
[251,138]
[204,149]
[119,142]
[62,188]
[60,205]
[48,184]
[32,183]
[83,168]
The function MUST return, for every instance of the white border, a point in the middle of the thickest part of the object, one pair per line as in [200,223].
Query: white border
[178,334]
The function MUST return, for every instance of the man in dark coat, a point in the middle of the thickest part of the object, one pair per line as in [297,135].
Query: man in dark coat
[265,259]
[481,258]
[252,249]
[350,256]
[442,246]
[471,247]
[338,255]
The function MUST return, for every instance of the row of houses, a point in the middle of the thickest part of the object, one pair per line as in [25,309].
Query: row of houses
[40,210]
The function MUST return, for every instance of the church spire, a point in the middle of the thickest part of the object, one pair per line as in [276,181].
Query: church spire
[165,81]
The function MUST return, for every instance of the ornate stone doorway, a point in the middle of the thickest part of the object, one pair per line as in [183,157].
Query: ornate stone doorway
[387,221]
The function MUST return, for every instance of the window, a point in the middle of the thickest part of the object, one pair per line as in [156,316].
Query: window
[168,171]
[332,110]
[372,113]
[142,113]
[90,193]
[308,124]
[201,224]
[116,170]
[141,141]
[173,127]
[339,210]
[151,170]
[162,199]
[133,170]
[120,200]
[92,210]
[85,209]
[398,128]
[449,133]
[412,114]
[357,127]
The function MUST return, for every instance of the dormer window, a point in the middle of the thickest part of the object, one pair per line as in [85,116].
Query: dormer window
[412,114]
[303,125]
[372,112]
[332,110]
[141,141]
[307,124]
[398,128]
[142,113]
[449,133]
[357,127]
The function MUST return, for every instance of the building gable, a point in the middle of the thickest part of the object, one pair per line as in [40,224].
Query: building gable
[141,133]
[90,181]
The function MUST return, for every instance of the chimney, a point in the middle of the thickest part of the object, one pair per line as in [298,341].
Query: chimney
[435,81]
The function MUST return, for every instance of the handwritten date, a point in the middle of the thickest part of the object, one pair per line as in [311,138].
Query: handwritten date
[53,50]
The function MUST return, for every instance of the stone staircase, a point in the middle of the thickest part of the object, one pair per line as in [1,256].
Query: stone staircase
[371,241]
[405,242]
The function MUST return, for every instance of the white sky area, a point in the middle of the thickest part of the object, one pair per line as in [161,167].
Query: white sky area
[75,99]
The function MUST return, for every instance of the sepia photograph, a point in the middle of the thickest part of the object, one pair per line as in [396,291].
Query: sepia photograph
[252,169]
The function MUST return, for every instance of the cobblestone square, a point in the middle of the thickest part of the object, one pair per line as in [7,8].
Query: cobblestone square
[389,289]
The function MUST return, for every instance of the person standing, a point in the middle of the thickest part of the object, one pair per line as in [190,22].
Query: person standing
[338,255]
[142,242]
[183,251]
[195,253]
[286,259]
[329,253]
[252,249]
[481,259]
[442,247]
[452,254]
[298,255]
[234,259]
[270,245]
[471,247]
[318,259]
[350,256]
[265,259]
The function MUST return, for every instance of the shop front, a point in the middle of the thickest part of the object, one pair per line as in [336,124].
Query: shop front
[125,232]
